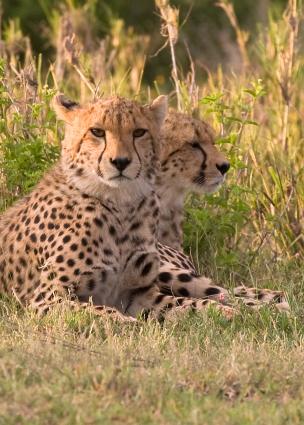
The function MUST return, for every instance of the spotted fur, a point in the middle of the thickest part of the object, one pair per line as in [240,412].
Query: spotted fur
[88,230]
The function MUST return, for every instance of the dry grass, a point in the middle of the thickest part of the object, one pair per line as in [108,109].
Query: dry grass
[74,369]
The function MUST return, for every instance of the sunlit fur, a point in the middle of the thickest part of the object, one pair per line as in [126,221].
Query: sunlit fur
[189,160]
[87,158]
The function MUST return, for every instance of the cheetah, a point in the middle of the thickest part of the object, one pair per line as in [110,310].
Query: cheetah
[190,162]
[87,233]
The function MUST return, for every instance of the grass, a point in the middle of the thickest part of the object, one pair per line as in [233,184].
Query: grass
[76,369]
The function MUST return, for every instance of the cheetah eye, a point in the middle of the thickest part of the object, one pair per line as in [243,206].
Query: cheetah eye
[139,132]
[195,145]
[97,132]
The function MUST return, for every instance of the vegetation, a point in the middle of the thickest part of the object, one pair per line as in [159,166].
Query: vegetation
[75,369]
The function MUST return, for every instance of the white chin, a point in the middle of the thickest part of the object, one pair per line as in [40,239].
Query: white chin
[129,189]
[118,182]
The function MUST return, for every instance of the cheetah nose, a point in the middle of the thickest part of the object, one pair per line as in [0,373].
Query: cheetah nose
[223,168]
[120,163]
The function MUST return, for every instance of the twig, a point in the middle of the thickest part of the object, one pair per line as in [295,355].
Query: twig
[241,36]
[169,30]
[287,66]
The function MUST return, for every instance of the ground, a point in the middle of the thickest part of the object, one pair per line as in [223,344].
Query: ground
[73,369]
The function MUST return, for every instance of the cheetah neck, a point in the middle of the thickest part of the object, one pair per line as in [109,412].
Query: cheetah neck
[171,216]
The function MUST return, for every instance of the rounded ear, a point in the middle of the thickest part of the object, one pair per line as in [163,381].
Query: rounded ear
[159,108]
[64,107]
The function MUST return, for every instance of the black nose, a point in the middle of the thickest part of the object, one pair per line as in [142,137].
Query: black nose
[120,163]
[223,168]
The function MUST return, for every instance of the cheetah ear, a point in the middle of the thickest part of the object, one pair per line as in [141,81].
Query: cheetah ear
[159,108]
[64,107]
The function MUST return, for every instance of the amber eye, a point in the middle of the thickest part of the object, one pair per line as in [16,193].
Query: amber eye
[139,132]
[195,145]
[98,132]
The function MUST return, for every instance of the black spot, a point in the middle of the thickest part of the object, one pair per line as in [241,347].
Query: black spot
[184,277]
[64,278]
[212,291]
[43,237]
[90,208]
[135,225]
[98,222]
[37,219]
[70,262]
[59,259]
[33,237]
[165,277]
[108,251]
[84,241]
[159,298]
[74,247]
[89,262]
[183,292]
[112,230]
[66,239]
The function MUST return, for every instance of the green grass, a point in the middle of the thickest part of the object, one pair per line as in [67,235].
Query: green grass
[76,369]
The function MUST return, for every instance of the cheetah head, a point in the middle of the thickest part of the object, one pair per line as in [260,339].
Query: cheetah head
[189,158]
[111,143]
